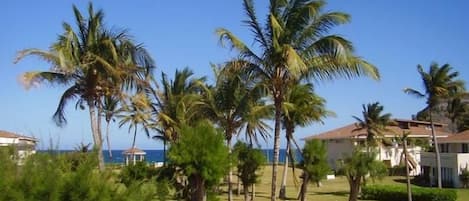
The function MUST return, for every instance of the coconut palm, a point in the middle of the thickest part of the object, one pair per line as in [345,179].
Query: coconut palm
[231,104]
[177,103]
[292,43]
[92,62]
[439,84]
[302,107]
[374,122]
[137,112]
[109,108]
[405,152]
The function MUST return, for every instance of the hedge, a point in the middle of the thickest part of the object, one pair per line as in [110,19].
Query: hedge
[399,193]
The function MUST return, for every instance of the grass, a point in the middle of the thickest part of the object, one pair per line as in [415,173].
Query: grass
[331,190]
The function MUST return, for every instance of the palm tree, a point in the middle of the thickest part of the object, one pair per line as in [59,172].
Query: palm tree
[302,107]
[136,113]
[177,103]
[404,140]
[457,110]
[110,109]
[374,122]
[231,104]
[294,43]
[439,84]
[92,62]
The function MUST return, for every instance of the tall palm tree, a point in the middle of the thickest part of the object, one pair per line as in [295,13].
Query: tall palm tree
[439,84]
[92,62]
[230,103]
[302,107]
[177,103]
[374,122]
[137,112]
[292,43]
[110,109]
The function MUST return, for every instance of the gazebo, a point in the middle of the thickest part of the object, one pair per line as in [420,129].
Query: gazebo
[133,155]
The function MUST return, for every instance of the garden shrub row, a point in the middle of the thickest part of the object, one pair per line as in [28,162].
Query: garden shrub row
[399,193]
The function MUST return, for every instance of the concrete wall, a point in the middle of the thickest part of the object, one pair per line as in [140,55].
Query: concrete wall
[455,161]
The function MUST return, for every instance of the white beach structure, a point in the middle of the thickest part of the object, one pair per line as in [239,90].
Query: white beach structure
[133,155]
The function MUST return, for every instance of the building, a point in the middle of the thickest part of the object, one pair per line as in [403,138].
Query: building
[24,145]
[342,141]
[454,156]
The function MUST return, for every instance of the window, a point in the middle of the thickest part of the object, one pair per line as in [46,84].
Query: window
[465,148]
[444,148]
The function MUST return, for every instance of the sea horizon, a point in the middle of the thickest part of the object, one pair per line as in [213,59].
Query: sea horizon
[156,155]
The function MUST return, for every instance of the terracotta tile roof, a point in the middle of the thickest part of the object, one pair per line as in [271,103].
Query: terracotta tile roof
[462,137]
[350,131]
[134,151]
[6,134]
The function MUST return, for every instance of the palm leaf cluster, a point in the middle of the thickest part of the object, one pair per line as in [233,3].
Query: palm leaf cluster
[93,62]
[374,122]
[294,44]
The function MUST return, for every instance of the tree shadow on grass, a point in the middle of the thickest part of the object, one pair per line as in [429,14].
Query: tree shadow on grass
[415,181]
[336,193]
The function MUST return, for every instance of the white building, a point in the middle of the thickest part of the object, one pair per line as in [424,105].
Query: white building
[454,156]
[24,145]
[341,142]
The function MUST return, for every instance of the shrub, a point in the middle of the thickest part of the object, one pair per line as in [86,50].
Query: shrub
[57,177]
[397,171]
[399,193]
[138,172]
[464,177]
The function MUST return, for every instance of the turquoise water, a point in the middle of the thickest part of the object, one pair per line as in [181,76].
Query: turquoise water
[153,156]
[157,156]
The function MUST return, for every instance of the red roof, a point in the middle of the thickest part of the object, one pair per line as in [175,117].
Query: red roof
[6,134]
[352,131]
[462,137]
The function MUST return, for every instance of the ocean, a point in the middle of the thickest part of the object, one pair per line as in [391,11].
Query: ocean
[153,156]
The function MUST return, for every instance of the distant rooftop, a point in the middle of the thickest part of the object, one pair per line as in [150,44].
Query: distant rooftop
[416,129]
[6,134]
[462,137]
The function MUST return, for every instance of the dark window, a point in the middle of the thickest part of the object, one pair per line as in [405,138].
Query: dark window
[465,148]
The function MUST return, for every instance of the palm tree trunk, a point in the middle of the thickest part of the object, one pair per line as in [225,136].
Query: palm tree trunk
[246,192]
[437,149]
[278,115]
[354,183]
[304,187]
[96,134]
[253,191]
[164,151]
[107,140]
[283,190]
[238,189]
[409,190]
[133,146]
[230,173]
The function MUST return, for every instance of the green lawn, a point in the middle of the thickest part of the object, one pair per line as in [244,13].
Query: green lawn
[331,190]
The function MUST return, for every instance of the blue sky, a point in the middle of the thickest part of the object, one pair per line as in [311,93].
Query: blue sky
[393,35]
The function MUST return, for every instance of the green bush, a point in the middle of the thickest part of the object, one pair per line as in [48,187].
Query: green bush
[138,172]
[397,171]
[57,177]
[399,193]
